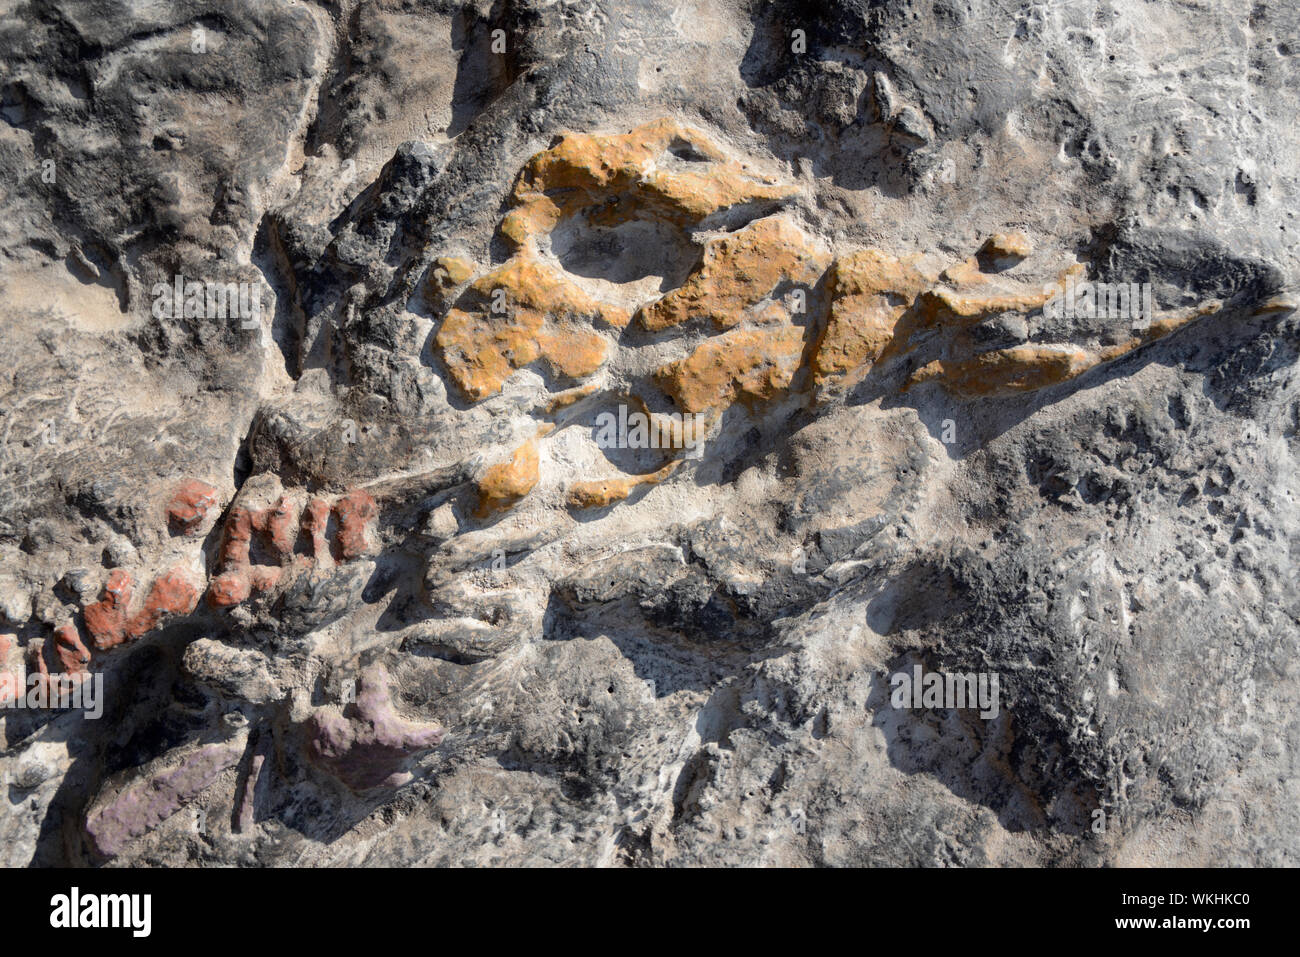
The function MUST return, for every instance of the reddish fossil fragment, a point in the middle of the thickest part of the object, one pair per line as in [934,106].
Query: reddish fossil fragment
[106,618]
[276,527]
[278,524]
[37,652]
[237,538]
[189,504]
[11,683]
[315,519]
[229,588]
[355,511]
[73,655]
[171,594]
[263,577]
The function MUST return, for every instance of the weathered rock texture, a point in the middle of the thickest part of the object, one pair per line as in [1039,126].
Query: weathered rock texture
[363,585]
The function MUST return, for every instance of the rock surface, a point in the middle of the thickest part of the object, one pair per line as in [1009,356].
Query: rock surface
[984,314]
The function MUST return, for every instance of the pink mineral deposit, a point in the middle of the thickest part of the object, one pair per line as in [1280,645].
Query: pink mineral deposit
[367,746]
[141,806]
